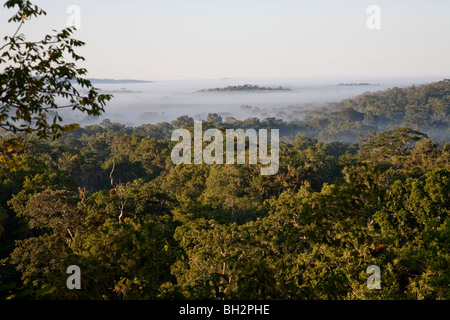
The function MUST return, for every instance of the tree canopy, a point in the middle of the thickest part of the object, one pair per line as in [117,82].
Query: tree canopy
[151,230]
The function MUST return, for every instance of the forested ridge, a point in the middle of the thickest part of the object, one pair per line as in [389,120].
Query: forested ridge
[424,107]
[246,87]
[108,199]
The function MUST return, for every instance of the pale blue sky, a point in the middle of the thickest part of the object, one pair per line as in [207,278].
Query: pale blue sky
[185,39]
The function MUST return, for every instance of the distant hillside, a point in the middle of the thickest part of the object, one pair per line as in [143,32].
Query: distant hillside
[425,108]
[357,84]
[246,87]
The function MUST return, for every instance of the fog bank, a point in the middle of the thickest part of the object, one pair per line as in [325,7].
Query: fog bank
[140,103]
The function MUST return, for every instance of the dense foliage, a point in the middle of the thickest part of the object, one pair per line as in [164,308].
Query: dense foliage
[109,199]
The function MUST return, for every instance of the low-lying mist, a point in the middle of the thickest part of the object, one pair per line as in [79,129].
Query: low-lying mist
[135,104]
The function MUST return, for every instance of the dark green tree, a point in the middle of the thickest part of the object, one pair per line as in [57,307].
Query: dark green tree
[36,76]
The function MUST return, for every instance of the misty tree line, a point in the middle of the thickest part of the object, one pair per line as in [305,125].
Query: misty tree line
[424,108]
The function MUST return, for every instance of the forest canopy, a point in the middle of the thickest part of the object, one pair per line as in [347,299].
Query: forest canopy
[364,182]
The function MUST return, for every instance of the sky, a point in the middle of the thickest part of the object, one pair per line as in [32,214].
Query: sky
[211,39]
